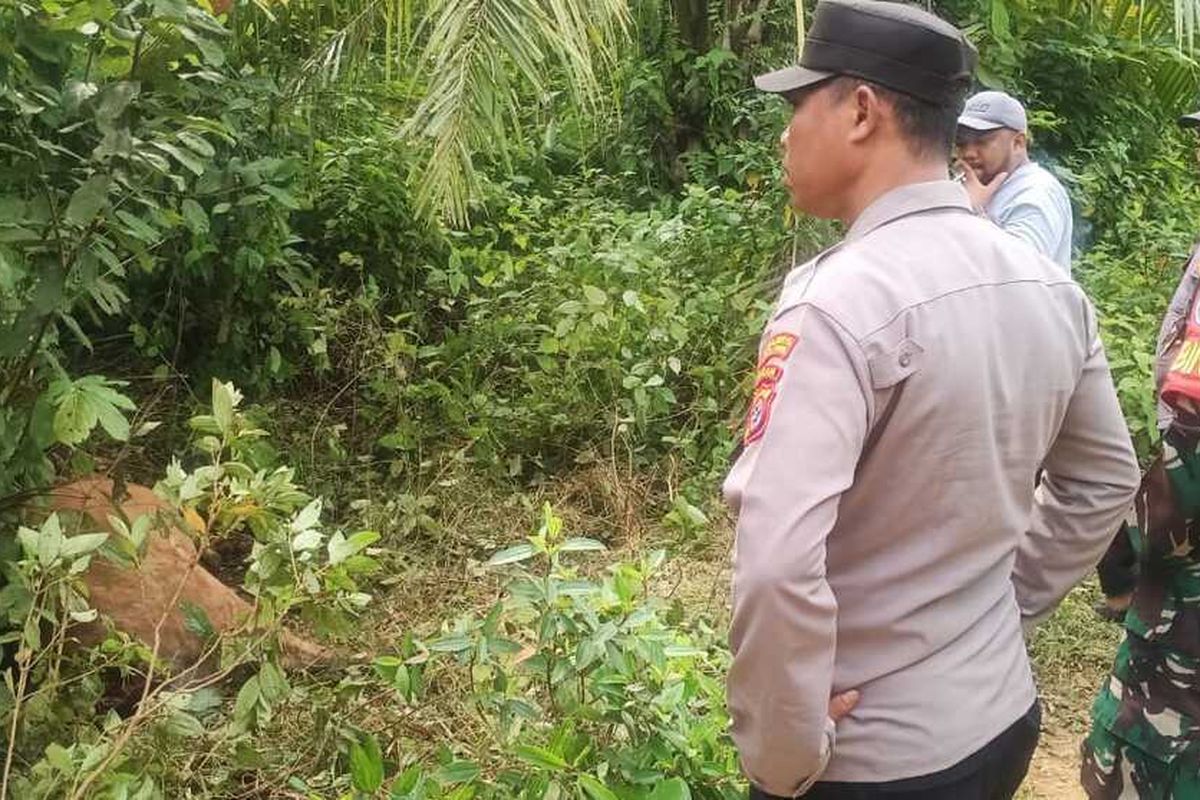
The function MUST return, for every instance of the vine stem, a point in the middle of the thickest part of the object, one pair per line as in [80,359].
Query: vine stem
[22,684]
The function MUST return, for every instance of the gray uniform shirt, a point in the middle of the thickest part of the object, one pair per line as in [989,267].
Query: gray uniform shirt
[910,384]
[1033,205]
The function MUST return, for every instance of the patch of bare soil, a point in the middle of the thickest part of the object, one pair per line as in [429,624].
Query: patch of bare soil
[1054,774]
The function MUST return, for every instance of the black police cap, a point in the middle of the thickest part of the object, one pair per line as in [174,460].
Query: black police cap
[898,46]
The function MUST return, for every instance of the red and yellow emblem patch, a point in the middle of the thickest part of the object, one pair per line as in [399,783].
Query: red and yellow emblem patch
[766,384]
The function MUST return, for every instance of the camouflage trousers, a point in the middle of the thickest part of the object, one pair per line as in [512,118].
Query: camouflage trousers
[1116,770]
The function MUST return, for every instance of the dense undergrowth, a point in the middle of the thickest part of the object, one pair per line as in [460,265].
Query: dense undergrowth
[548,285]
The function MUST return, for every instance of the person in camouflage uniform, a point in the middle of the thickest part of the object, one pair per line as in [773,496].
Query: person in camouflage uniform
[1145,736]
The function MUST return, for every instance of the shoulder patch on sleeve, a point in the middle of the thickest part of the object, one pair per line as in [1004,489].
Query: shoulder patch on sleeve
[771,365]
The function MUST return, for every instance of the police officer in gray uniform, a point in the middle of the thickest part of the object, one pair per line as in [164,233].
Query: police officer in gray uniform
[911,382]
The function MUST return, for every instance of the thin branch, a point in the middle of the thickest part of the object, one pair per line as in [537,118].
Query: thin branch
[22,683]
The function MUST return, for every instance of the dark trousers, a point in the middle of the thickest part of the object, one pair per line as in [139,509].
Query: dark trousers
[994,772]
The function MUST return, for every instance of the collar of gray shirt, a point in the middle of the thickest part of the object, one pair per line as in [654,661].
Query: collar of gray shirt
[909,199]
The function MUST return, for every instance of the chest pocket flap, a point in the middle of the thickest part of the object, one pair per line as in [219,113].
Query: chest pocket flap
[894,363]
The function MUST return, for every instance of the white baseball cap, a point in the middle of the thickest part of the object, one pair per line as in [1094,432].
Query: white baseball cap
[989,111]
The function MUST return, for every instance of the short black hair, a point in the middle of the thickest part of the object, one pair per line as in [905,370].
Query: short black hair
[929,127]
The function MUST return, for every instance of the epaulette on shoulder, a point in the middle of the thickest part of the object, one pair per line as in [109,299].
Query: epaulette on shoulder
[798,283]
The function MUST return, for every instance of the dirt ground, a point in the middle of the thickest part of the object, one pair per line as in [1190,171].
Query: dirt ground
[1054,774]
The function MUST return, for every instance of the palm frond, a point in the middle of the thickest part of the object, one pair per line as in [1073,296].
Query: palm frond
[473,52]
[465,60]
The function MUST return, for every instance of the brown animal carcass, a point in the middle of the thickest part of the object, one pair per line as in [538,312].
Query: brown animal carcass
[136,599]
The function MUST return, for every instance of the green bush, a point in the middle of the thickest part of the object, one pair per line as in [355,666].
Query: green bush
[576,683]
[566,330]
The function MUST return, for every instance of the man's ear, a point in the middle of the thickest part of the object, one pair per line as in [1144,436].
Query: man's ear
[868,109]
[1021,141]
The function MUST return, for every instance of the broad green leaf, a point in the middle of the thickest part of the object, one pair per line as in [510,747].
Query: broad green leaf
[197,143]
[512,555]
[541,757]
[112,420]
[595,789]
[690,512]
[29,541]
[458,772]
[60,757]
[75,418]
[213,53]
[308,517]
[77,331]
[222,405]
[273,683]
[403,683]
[595,295]
[82,544]
[102,388]
[341,548]
[360,565]
[32,637]
[137,228]
[245,708]
[366,765]
[284,197]
[450,644]
[247,756]
[194,217]
[50,541]
[408,781]
[204,700]
[306,540]
[84,403]
[671,789]
[187,159]
[184,725]
[88,199]
[577,588]
[386,666]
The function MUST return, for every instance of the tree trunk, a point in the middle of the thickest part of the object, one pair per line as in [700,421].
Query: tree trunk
[754,36]
[691,17]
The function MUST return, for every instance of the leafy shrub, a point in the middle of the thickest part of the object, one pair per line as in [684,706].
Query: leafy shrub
[567,330]
[296,566]
[586,686]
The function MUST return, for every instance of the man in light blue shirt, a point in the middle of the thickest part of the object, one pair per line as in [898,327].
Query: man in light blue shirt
[1017,194]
